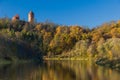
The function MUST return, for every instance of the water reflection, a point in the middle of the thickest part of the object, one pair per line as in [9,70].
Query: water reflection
[57,70]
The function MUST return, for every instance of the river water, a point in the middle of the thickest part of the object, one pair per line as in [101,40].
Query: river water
[57,70]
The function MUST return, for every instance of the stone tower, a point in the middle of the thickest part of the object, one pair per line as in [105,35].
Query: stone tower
[31,17]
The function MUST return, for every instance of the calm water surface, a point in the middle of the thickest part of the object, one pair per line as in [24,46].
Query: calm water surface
[57,70]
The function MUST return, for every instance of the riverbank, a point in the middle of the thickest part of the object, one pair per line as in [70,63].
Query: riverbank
[4,62]
[111,63]
[55,58]
[106,62]
[64,57]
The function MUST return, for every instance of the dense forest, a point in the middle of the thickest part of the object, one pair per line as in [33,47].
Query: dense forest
[23,40]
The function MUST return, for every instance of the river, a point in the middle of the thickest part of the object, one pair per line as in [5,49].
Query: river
[57,70]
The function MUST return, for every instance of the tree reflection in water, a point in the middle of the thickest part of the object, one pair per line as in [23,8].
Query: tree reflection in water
[57,70]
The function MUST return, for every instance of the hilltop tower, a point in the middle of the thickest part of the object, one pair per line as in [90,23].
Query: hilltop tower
[31,17]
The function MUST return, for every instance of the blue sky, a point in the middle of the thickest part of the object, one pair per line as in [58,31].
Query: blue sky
[89,13]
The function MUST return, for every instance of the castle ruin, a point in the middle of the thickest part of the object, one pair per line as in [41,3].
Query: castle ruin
[30,17]
[16,17]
